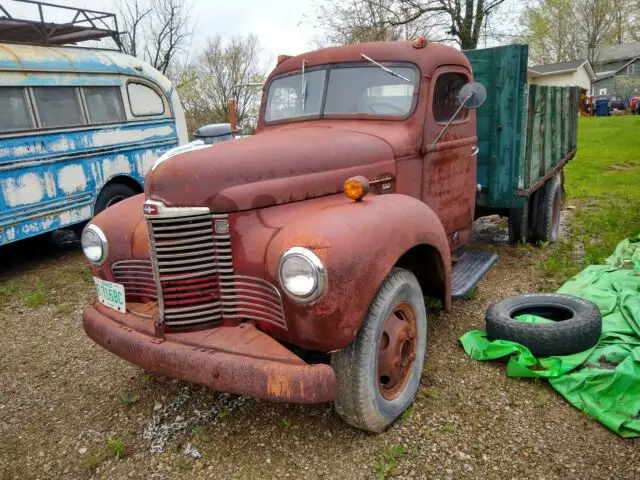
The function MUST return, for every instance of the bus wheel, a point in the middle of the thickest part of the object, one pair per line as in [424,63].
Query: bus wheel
[379,372]
[112,194]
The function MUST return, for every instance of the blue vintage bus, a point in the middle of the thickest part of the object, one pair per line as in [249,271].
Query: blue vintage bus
[79,128]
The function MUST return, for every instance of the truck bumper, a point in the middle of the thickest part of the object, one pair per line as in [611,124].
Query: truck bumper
[237,359]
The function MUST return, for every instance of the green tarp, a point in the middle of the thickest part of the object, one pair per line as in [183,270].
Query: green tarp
[604,381]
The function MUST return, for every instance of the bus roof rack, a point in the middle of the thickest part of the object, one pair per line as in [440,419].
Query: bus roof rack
[83,25]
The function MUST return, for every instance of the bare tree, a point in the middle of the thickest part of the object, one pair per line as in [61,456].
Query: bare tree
[221,72]
[595,19]
[460,21]
[549,28]
[156,30]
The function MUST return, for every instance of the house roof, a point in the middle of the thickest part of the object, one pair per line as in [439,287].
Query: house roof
[618,52]
[612,73]
[562,67]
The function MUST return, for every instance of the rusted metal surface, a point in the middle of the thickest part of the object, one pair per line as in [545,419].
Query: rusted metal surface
[235,359]
[396,351]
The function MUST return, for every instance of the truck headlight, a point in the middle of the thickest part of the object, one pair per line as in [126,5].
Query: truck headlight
[301,274]
[94,244]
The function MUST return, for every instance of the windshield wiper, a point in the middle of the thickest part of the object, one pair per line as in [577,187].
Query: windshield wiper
[386,69]
[304,86]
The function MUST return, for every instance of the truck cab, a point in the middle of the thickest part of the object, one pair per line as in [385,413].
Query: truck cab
[292,265]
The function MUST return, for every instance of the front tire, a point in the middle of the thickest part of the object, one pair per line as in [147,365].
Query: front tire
[379,373]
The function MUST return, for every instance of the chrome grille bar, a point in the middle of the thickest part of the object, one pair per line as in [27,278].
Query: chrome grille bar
[194,272]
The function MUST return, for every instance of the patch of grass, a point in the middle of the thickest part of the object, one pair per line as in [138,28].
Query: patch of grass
[116,445]
[387,465]
[65,310]
[602,183]
[286,424]
[93,461]
[35,297]
[433,305]
[448,428]
[429,393]
[129,398]
[472,294]
[407,413]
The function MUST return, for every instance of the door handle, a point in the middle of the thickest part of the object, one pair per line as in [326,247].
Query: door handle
[475,151]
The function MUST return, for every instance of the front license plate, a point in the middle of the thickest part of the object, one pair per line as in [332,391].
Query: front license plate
[111,294]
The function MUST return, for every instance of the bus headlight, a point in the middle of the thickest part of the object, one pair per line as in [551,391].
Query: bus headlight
[302,274]
[94,244]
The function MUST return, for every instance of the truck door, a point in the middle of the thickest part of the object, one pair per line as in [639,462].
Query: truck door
[449,171]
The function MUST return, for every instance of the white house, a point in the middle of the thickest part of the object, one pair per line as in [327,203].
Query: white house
[576,73]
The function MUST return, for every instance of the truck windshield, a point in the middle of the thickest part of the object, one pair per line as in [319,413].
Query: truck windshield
[343,90]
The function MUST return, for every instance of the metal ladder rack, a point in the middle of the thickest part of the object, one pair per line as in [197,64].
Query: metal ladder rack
[85,25]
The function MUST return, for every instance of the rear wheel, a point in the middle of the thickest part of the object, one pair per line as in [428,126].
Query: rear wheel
[379,373]
[548,205]
[112,194]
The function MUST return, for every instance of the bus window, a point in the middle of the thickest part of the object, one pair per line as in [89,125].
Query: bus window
[104,104]
[144,100]
[14,110]
[58,106]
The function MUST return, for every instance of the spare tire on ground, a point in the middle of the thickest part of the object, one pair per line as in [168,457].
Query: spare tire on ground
[577,323]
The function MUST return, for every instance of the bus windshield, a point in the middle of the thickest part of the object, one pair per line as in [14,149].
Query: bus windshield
[355,89]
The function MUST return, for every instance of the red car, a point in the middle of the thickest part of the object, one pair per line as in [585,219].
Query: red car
[635,108]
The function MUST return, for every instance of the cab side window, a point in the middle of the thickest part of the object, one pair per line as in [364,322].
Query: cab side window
[144,100]
[445,96]
[14,110]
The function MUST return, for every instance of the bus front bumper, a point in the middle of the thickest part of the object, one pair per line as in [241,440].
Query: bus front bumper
[237,359]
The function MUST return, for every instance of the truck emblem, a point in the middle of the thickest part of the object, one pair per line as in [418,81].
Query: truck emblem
[221,226]
[150,209]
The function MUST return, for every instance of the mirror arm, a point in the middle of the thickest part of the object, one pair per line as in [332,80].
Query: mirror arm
[455,115]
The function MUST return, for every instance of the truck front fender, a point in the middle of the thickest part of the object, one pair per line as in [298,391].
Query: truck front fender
[359,243]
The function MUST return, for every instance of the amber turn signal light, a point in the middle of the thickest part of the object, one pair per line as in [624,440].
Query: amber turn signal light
[420,42]
[282,58]
[356,187]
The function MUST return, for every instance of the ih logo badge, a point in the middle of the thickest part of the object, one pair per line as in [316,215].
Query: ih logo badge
[150,209]
[221,227]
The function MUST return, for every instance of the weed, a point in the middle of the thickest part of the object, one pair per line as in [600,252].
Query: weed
[116,445]
[448,428]
[541,399]
[429,393]
[65,310]
[224,412]
[286,424]
[407,413]
[129,398]
[433,305]
[389,461]
[35,298]
[93,461]
[471,294]
[147,377]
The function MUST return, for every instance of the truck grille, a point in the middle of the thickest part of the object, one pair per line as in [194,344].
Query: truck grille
[195,276]
[137,278]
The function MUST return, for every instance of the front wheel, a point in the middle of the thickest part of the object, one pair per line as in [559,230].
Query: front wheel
[379,372]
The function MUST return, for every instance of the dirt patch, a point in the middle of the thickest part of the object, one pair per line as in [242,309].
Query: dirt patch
[69,409]
[622,166]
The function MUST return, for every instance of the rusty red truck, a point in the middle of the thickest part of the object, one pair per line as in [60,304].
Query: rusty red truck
[292,265]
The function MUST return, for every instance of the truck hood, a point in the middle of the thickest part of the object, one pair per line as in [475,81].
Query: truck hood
[270,168]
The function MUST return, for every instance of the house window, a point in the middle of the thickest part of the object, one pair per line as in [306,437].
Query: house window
[144,100]
[631,69]
[104,104]
[58,106]
[14,110]
[603,91]
[445,96]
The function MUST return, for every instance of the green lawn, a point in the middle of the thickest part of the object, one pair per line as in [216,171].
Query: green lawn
[603,183]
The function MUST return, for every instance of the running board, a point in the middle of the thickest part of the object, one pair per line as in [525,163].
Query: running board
[470,268]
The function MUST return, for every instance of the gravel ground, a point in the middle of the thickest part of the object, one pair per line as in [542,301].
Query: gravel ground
[62,397]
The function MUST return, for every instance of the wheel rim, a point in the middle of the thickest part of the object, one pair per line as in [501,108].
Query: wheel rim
[555,215]
[113,200]
[396,351]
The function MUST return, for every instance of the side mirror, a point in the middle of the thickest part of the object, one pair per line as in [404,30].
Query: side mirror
[471,96]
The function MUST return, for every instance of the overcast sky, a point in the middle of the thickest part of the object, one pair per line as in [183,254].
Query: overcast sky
[280,24]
